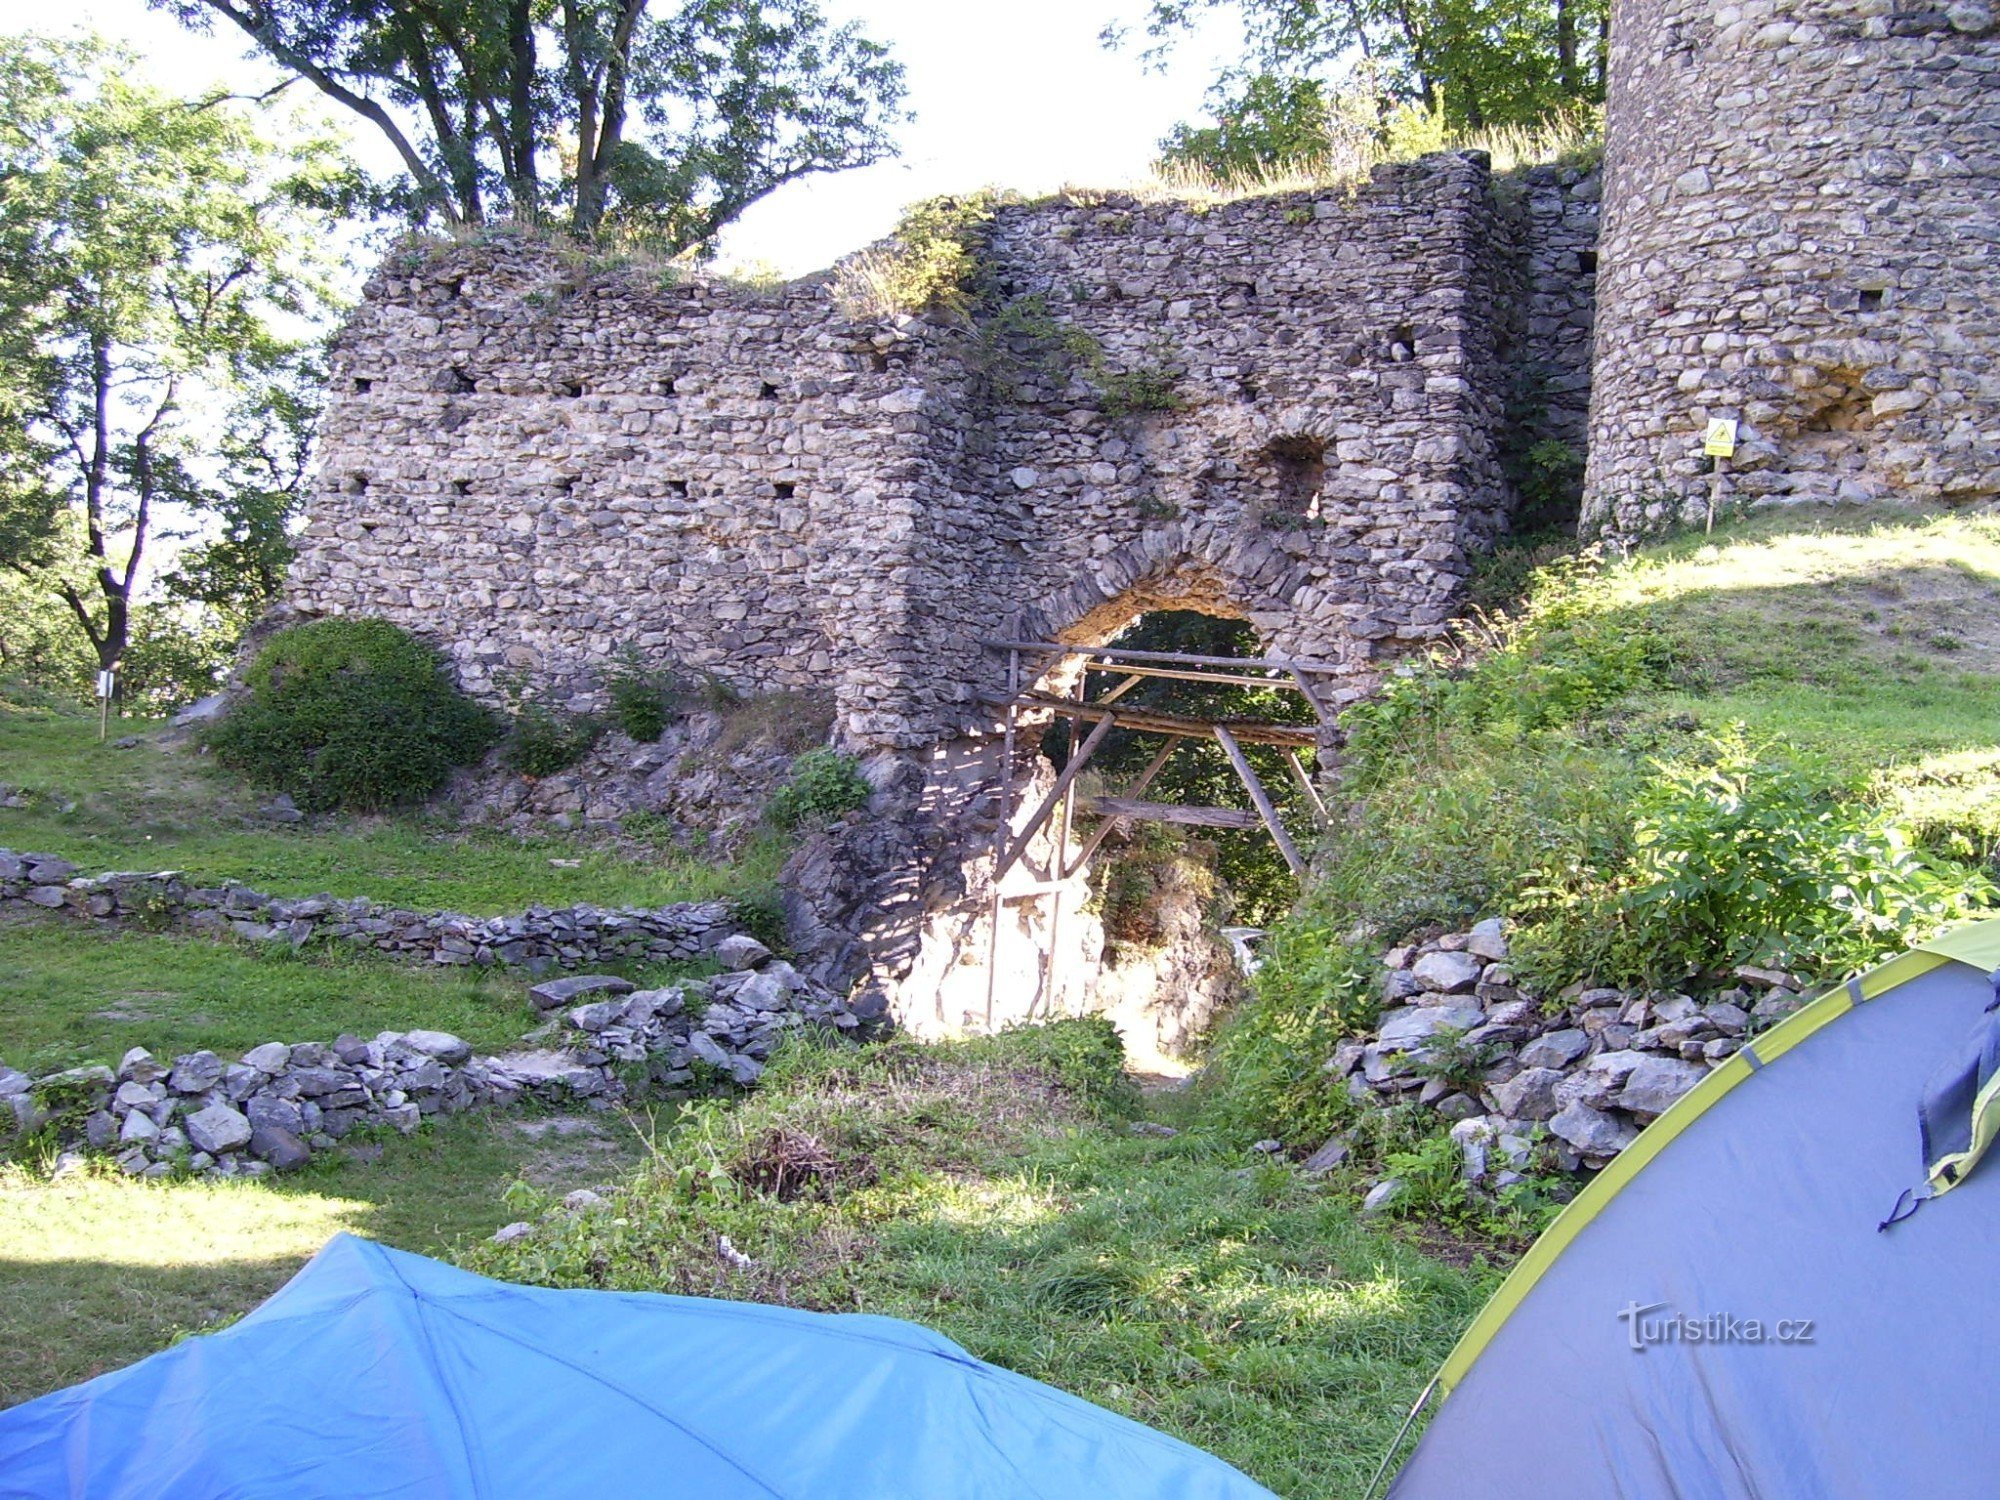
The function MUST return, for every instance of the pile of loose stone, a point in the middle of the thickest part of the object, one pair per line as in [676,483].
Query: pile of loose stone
[279,1104]
[1570,1080]
[540,940]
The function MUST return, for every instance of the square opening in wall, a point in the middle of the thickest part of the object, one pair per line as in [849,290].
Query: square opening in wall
[570,388]
[363,385]
[677,489]
[461,487]
[1586,262]
[767,392]
[785,489]
[1872,298]
[1297,468]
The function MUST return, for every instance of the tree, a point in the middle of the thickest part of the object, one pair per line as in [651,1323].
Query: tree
[160,279]
[1480,63]
[666,124]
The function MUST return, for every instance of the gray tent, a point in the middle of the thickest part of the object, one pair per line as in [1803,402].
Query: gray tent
[1747,1302]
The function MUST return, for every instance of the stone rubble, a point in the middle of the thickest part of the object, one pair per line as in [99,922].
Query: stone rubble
[274,1108]
[1568,1080]
[539,940]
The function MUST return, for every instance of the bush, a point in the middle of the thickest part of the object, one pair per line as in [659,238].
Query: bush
[351,713]
[642,697]
[1737,857]
[822,785]
[546,739]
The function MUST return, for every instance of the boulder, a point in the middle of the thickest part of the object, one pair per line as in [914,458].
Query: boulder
[1382,1197]
[272,1058]
[1447,973]
[1656,1082]
[1401,1030]
[280,1147]
[218,1129]
[1592,1131]
[1529,1094]
[1488,940]
[196,1073]
[741,951]
[1555,1049]
[441,1045]
[554,992]
[1329,1156]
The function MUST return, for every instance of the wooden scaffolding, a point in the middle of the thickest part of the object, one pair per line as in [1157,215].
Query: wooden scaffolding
[1093,719]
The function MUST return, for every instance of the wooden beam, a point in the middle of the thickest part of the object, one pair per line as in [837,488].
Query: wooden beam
[1150,721]
[1258,795]
[1305,686]
[1055,797]
[1313,798]
[1171,658]
[1131,681]
[1103,830]
[1286,684]
[1172,812]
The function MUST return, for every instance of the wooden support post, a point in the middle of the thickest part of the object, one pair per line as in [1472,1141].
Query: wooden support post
[1312,696]
[1000,833]
[1055,797]
[1259,796]
[1320,814]
[1172,812]
[1103,830]
[1131,681]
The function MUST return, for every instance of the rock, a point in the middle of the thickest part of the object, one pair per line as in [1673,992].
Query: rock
[1757,974]
[555,992]
[741,951]
[1401,1030]
[139,1066]
[506,1234]
[138,1129]
[1555,1049]
[1346,1058]
[50,896]
[1656,1082]
[1591,1131]
[14,1081]
[745,1071]
[46,869]
[272,1058]
[1382,1197]
[1529,1094]
[582,1200]
[1488,940]
[1269,1147]
[442,1045]
[1775,1006]
[1329,1156]
[1973,17]
[1673,1008]
[196,1073]
[100,1128]
[218,1129]
[1472,1137]
[1460,1106]
[278,1146]
[202,711]
[1447,973]
[1152,1128]
[1730,1020]
[597,1015]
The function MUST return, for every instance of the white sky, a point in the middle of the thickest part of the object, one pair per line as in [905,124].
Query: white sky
[1017,94]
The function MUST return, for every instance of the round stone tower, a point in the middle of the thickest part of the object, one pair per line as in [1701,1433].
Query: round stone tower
[1801,236]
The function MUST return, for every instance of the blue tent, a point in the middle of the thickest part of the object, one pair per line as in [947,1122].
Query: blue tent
[1746,1303]
[379,1374]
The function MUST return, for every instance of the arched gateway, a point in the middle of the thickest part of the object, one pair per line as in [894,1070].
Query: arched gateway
[1285,408]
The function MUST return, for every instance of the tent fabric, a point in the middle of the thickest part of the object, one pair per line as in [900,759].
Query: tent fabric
[383,1374]
[1727,1321]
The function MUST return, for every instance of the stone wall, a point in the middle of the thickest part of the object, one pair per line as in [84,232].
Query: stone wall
[537,465]
[1802,233]
[538,940]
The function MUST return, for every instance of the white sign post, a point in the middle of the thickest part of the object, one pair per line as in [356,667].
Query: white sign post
[107,687]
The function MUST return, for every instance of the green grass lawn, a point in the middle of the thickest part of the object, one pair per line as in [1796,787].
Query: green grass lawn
[972,1187]
[71,993]
[161,805]
[98,1270]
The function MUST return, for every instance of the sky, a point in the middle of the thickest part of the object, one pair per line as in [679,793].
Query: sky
[1018,94]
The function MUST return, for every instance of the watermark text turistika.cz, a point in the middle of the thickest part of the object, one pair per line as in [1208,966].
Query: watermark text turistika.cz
[1651,1323]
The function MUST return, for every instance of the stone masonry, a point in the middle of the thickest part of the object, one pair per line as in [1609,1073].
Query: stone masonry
[535,465]
[1802,234]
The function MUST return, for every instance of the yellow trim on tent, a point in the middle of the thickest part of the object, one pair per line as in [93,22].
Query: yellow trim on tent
[1977,943]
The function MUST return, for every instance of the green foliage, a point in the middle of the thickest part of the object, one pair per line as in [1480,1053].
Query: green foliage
[1084,1056]
[642,697]
[822,785]
[1263,1072]
[1022,336]
[932,263]
[1470,64]
[661,126]
[162,268]
[350,713]
[1740,855]
[1147,388]
[1548,477]
[544,737]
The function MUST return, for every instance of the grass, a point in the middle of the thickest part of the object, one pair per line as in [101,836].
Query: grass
[160,805]
[98,1270]
[75,993]
[989,1190]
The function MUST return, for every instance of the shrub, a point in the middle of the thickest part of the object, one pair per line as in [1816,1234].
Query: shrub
[642,697]
[545,738]
[1739,856]
[350,713]
[822,785]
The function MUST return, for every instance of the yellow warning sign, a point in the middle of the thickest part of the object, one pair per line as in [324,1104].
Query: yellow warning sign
[1721,439]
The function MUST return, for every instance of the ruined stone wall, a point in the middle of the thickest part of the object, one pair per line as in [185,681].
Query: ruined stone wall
[1287,408]
[1802,232]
